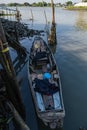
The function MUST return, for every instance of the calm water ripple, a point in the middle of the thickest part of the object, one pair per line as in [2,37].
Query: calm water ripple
[71,56]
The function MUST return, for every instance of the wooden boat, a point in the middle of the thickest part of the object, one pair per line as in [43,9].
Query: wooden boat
[45,84]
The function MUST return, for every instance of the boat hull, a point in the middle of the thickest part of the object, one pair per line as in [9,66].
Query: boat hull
[52,117]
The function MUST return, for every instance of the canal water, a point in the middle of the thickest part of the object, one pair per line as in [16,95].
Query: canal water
[71,56]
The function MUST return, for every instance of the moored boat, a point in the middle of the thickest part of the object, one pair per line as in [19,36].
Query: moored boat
[45,84]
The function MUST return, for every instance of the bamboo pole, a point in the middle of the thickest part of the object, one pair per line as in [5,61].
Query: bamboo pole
[12,84]
[46,29]
[32,17]
[45,17]
[44,13]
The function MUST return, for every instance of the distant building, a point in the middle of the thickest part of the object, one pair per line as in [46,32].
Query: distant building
[81,4]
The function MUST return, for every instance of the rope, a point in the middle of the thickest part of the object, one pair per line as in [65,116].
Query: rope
[5,50]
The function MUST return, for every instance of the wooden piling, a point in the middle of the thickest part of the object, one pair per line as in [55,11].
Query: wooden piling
[52,36]
[22,125]
[53,12]
[16,32]
[32,17]
[45,13]
[18,15]
[9,76]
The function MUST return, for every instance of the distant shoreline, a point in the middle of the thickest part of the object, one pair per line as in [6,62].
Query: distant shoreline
[39,4]
[45,4]
[75,8]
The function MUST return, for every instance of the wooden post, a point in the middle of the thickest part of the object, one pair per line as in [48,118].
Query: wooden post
[44,12]
[7,13]
[18,15]
[9,76]
[52,36]
[16,32]
[32,17]
[22,125]
[53,12]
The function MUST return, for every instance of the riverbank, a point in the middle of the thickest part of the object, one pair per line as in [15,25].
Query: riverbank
[76,8]
[3,14]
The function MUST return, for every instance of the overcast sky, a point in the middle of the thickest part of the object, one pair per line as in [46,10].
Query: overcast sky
[31,1]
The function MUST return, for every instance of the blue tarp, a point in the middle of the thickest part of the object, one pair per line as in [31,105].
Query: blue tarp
[45,87]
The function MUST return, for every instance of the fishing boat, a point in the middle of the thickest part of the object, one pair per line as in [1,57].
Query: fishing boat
[45,84]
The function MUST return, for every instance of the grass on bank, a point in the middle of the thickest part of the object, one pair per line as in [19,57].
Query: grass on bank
[76,7]
[7,14]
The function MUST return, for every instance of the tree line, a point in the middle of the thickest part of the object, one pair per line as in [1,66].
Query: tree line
[84,0]
[39,4]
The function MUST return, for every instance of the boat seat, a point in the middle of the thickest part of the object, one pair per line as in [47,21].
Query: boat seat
[42,61]
[40,58]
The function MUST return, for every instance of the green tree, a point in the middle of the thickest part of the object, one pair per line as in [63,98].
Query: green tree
[84,0]
[69,3]
[40,4]
[13,4]
[34,4]
[44,3]
[49,4]
[26,4]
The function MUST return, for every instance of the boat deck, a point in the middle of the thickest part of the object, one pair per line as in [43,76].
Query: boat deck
[46,101]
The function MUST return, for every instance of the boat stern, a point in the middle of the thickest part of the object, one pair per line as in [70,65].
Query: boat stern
[53,119]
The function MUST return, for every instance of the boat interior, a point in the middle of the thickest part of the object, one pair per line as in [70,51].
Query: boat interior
[44,77]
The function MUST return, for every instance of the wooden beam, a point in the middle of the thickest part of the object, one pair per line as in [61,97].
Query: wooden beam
[22,125]
[12,86]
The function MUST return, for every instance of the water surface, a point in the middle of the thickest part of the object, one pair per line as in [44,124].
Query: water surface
[71,56]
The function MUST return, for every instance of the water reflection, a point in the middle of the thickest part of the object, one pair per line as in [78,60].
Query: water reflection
[41,126]
[71,58]
[53,48]
[81,22]
[19,63]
